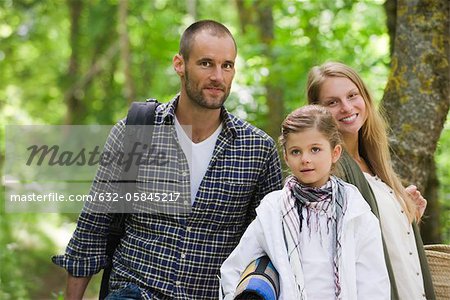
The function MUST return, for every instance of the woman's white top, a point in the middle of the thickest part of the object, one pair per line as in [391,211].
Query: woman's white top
[400,242]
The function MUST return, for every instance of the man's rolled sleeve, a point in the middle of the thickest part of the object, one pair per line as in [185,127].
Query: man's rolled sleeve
[85,254]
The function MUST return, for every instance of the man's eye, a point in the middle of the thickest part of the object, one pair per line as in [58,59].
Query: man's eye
[228,66]
[205,64]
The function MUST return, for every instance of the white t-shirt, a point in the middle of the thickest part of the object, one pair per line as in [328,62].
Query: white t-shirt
[316,256]
[400,242]
[198,155]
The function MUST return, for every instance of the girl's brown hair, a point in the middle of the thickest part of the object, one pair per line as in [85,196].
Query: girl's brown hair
[373,140]
[311,117]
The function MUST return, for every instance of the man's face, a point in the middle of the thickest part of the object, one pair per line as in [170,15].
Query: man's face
[209,71]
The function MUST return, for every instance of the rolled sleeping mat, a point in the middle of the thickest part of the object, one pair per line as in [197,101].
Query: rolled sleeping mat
[259,281]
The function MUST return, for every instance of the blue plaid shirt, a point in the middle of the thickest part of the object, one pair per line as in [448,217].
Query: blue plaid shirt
[178,256]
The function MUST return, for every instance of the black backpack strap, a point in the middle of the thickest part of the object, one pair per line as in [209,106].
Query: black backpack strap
[142,113]
[139,113]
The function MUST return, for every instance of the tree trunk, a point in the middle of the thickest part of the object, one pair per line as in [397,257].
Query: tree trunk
[430,227]
[390,7]
[98,65]
[191,6]
[125,54]
[417,95]
[245,13]
[74,99]
[261,16]
[274,91]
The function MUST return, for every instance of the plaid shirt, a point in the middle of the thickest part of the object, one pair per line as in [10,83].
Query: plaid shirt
[178,256]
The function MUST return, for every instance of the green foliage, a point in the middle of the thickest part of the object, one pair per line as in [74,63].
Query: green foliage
[26,243]
[443,162]
[308,33]
[35,51]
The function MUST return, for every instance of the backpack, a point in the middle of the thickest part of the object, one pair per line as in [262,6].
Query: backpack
[140,113]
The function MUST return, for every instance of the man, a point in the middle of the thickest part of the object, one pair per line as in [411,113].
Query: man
[232,165]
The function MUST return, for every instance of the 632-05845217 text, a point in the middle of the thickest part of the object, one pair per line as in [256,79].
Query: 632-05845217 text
[107,197]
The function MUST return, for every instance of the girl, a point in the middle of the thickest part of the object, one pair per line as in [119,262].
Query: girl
[366,163]
[318,231]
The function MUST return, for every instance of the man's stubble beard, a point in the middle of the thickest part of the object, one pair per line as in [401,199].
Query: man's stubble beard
[198,98]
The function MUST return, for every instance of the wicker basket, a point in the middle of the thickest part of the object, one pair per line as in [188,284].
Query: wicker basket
[438,257]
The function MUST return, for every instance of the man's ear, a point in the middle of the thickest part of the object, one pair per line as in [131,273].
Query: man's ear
[178,64]
[337,151]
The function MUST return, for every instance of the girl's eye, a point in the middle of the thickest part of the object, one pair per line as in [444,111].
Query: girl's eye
[315,149]
[295,152]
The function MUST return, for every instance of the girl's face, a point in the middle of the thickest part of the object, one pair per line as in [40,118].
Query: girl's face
[310,157]
[343,99]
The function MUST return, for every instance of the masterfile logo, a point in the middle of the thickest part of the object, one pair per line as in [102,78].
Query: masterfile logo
[61,168]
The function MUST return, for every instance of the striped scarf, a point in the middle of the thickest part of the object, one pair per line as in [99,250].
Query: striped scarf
[329,199]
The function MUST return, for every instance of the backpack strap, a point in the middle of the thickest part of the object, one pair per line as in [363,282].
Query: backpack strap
[139,113]
[142,113]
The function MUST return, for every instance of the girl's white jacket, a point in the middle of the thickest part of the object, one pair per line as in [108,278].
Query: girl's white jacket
[363,273]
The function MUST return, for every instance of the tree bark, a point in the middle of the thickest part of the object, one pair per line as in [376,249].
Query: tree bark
[417,95]
[390,7]
[74,100]
[125,53]
[274,91]
[430,227]
[261,16]
[245,14]
[98,66]
[191,6]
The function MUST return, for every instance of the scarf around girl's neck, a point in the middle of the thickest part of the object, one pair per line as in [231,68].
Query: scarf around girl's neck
[296,196]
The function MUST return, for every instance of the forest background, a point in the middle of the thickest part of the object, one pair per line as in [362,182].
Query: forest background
[84,61]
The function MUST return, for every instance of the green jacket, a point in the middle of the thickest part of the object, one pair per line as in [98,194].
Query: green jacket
[350,172]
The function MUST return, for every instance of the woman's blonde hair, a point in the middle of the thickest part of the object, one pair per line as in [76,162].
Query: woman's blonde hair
[373,139]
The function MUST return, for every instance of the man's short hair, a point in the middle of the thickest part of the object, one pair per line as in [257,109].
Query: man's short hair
[213,27]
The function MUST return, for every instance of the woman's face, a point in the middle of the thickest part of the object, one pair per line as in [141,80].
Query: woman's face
[343,99]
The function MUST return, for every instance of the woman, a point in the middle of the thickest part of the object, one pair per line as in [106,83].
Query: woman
[367,164]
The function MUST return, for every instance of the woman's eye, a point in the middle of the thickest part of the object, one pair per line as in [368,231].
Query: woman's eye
[315,149]
[331,103]
[353,95]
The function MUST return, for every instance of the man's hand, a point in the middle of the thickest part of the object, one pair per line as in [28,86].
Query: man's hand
[419,200]
[75,287]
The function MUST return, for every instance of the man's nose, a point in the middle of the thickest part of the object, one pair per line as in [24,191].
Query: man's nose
[217,74]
